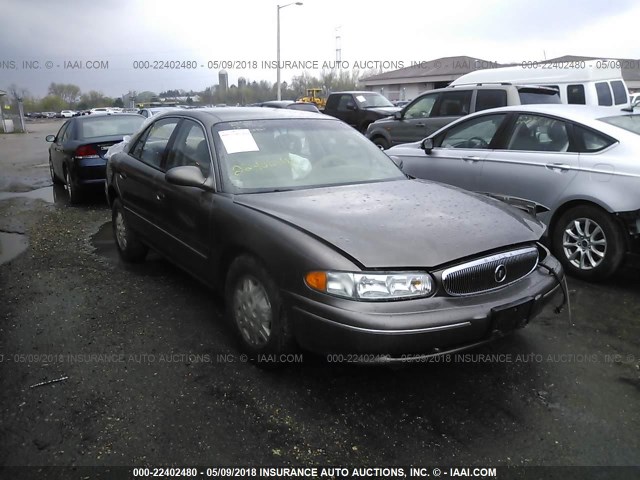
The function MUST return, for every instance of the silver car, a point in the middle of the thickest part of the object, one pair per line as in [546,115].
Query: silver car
[580,162]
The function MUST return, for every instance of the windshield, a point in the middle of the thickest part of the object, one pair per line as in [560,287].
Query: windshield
[627,122]
[368,100]
[268,155]
[109,125]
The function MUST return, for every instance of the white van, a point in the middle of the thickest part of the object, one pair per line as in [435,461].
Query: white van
[584,82]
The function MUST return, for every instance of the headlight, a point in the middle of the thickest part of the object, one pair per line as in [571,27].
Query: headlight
[372,285]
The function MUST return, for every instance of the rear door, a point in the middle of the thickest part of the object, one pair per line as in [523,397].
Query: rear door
[537,160]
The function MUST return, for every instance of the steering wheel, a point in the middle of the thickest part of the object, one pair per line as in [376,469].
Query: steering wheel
[477,142]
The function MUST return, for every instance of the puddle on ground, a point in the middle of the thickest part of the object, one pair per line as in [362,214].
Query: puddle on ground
[46,194]
[11,245]
[105,246]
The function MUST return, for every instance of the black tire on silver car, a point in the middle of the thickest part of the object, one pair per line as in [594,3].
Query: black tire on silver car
[129,247]
[73,191]
[588,242]
[381,142]
[54,177]
[254,307]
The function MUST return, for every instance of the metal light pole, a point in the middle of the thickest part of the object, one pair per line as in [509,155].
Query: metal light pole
[278,55]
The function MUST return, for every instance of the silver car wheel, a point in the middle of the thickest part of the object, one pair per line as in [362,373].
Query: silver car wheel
[253,311]
[121,231]
[584,243]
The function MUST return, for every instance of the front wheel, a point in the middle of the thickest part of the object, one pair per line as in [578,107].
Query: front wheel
[588,242]
[129,247]
[381,142]
[255,308]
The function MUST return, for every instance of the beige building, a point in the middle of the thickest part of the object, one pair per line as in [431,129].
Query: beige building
[407,83]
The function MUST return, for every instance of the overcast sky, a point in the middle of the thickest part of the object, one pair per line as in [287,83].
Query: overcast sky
[121,32]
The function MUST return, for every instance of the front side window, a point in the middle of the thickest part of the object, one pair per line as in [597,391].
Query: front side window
[539,134]
[268,155]
[190,149]
[575,94]
[345,100]
[475,133]
[150,150]
[604,94]
[454,104]
[422,107]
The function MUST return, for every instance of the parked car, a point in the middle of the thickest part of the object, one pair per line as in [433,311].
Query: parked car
[359,109]
[436,108]
[76,154]
[579,161]
[317,238]
[150,112]
[305,106]
[67,113]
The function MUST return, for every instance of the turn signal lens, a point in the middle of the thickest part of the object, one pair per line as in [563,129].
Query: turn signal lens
[317,280]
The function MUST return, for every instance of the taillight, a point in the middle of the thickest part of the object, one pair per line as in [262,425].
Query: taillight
[87,151]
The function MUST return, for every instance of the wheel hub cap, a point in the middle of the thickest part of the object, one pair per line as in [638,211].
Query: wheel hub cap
[121,231]
[584,243]
[252,311]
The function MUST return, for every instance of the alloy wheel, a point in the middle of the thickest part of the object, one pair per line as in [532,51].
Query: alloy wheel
[584,243]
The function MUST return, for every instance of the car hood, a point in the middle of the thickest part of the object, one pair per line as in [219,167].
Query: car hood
[404,223]
[384,110]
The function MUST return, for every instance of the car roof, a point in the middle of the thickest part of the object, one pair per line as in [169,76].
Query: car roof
[584,114]
[107,114]
[234,114]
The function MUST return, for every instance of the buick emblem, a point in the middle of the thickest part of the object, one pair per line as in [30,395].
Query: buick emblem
[500,273]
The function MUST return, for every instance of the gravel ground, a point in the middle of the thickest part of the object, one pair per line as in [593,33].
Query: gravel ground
[153,377]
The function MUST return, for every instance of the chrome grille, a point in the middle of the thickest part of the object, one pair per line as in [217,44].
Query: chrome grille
[490,273]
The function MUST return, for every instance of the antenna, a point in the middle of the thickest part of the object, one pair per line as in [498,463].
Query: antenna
[338,47]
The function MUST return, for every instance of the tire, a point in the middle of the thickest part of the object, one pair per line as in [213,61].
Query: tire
[73,191]
[255,310]
[588,242]
[54,177]
[381,142]
[130,248]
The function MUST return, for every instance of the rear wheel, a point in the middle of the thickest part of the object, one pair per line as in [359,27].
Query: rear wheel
[73,191]
[130,248]
[54,177]
[255,308]
[588,242]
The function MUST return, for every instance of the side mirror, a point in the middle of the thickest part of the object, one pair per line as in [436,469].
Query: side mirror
[126,138]
[50,138]
[187,176]
[398,115]
[427,145]
[351,106]
[397,161]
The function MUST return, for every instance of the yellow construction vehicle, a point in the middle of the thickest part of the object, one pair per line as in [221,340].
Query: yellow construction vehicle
[313,96]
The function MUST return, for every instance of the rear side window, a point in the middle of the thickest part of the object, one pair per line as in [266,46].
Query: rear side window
[590,141]
[575,94]
[486,99]
[604,94]
[619,92]
[453,104]
[539,134]
[529,96]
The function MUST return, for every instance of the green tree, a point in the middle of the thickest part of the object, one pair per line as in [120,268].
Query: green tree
[66,91]
[52,103]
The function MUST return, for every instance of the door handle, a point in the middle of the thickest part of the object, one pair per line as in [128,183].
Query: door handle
[122,175]
[420,124]
[471,159]
[558,166]
[159,196]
